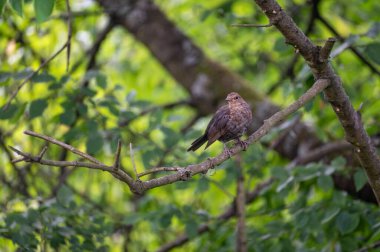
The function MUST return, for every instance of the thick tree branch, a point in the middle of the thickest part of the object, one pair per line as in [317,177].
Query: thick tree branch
[335,93]
[183,173]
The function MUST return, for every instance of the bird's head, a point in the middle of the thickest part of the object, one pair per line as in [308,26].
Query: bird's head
[232,97]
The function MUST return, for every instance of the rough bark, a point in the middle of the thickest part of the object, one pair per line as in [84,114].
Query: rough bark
[317,58]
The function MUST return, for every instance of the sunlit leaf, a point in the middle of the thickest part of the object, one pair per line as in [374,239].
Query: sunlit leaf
[43,9]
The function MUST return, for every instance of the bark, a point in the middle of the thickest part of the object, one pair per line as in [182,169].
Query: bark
[317,58]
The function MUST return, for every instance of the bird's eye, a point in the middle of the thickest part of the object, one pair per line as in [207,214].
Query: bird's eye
[236,97]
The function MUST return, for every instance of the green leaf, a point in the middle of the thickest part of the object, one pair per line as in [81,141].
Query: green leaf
[94,143]
[37,107]
[203,185]
[44,77]
[347,222]
[68,116]
[301,219]
[17,5]
[373,52]
[330,213]
[2,3]
[8,113]
[101,81]
[360,179]
[64,196]
[284,184]
[325,182]
[171,137]
[131,218]
[43,9]
[166,219]
[73,133]
[191,228]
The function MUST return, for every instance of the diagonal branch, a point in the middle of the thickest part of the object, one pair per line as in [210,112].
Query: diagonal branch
[32,74]
[183,173]
[335,93]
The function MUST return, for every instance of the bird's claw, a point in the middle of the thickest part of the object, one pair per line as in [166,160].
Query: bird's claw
[243,144]
[228,152]
[184,174]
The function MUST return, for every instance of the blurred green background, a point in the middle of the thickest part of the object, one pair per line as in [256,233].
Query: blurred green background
[76,209]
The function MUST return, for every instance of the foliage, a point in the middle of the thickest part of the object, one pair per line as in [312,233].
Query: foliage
[90,109]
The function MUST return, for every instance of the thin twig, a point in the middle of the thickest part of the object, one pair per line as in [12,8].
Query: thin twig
[133,160]
[43,151]
[253,25]
[370,247]
[63,145]
[69,34]
[31,75]
[116,163]
[157,169]
[326,49]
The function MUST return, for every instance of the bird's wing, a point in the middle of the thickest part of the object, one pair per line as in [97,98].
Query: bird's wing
[217,126]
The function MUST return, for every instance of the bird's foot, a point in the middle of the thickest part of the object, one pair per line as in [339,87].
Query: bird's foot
[184,174]
[243,144]
[227,151]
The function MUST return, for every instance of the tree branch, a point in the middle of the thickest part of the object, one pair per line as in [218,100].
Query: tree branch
[183,173]
[335,93]
[63,145]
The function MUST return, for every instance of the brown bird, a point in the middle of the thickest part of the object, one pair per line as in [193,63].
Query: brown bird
[229,123]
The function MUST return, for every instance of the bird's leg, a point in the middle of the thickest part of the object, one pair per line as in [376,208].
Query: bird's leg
[226,150]
[242,143]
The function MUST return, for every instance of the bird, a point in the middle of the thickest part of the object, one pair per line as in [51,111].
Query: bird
[229,123]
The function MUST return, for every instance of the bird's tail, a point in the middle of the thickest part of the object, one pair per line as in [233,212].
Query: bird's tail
[198,143]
